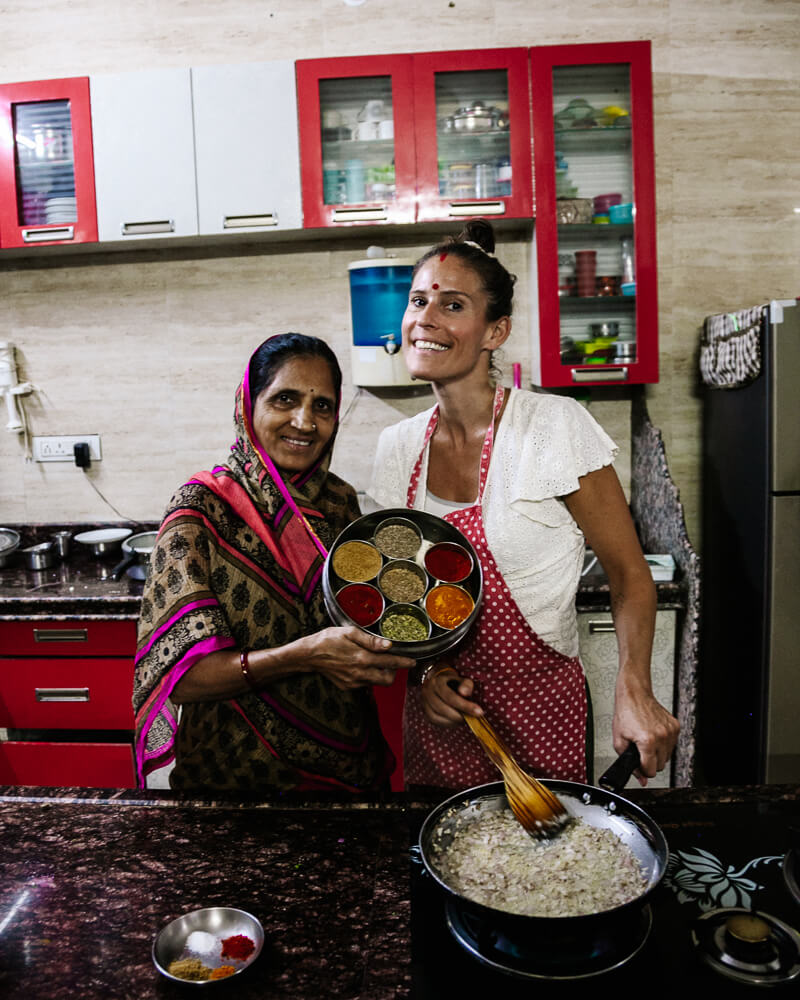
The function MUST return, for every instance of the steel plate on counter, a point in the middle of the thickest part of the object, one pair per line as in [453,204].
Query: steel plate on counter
[200,936]
[370,551]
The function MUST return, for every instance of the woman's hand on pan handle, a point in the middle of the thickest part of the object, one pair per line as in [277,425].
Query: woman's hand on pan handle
[639,718]
[352,658]
[446,704]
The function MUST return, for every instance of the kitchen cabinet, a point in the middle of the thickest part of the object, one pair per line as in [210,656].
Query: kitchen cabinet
[246,147]
[47,192]
[596,265]
[65,702]
[144,155]
[415,138]
[600,658]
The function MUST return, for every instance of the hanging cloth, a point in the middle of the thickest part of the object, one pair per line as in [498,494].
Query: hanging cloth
[731,347]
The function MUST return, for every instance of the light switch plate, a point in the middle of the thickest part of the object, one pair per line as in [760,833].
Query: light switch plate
[60,448]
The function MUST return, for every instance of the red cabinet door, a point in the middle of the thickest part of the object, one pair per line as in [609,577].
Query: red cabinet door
[356,133]
[67,765]
[473,134]
[70,637]
[593,146]
[46,164]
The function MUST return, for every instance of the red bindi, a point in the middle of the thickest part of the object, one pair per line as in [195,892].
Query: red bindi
[436,284]
[442,256]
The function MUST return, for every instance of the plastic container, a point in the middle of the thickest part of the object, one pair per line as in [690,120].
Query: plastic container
[378,298]
[628,287]
[619,214]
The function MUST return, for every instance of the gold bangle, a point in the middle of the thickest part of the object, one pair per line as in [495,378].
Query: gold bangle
[246,670]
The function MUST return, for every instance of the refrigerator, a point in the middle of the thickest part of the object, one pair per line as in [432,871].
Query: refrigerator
[749,669]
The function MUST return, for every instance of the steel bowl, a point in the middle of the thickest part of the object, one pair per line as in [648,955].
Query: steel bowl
[219,921]
[434,529]
[41,556]
[9,543]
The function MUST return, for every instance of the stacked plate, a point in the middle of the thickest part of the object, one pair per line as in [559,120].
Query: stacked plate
[61,210]
[406,576]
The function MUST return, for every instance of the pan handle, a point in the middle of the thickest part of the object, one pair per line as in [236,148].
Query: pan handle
[616,777]
[119,569]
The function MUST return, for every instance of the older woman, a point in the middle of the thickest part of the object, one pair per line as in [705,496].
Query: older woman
[526,476]
[233,621]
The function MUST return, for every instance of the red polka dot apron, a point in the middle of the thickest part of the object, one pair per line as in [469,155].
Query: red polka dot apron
[533,695]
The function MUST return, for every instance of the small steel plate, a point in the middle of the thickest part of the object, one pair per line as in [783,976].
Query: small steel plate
[220,922]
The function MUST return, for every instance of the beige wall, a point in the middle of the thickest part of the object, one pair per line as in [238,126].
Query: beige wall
[146,349]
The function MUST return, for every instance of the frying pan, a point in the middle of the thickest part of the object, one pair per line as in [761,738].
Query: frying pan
[599,807]
[137,548]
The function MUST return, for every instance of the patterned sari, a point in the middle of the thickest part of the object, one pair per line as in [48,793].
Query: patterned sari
[237,565]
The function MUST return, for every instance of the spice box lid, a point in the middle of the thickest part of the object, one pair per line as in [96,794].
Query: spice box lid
[209,930]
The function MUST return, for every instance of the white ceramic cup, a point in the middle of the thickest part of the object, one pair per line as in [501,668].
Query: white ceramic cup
[386,129]
[367,130]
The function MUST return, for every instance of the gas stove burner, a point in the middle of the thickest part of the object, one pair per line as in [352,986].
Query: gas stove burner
[748,946]
[524,960]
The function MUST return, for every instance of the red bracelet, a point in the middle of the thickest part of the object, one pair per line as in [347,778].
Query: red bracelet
[246,669]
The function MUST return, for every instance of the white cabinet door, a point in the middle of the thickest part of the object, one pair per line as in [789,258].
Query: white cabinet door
[598,652]
[248,166]
[144,154]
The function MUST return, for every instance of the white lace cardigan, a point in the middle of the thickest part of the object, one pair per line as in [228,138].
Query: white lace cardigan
[543,445]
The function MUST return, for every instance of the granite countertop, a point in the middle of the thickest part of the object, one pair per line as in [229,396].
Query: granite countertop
[81,585]
[89,877]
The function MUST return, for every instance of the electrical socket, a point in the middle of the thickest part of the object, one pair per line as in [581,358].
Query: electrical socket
[61,448]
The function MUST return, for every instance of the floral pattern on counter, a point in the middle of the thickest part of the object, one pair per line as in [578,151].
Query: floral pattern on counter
[700,877]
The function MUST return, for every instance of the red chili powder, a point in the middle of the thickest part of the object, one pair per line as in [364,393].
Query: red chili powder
[239,947]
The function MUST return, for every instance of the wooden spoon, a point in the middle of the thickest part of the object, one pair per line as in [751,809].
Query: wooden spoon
[540,812]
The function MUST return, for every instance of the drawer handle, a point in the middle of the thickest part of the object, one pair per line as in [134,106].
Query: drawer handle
[360,214]
[249,221]
[596,628]
[42,235]
[62,694]
[60,635]
[461,208]
[142,228]
[599,374]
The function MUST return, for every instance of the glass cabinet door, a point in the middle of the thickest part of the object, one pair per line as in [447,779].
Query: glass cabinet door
[595,223]
[356,140]
[46,172]
[473,136]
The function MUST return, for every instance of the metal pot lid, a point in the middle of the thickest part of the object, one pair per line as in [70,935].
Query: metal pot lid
[9,540]
[103,535]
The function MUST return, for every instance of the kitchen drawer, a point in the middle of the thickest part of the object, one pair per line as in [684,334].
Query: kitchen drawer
[68,638]
[66,693]
[85,765]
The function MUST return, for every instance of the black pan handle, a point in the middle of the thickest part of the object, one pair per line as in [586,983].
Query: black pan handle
[118,570]
[616,777]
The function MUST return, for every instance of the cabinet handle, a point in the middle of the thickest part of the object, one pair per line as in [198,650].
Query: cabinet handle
[62,694]
[359,214]
[137,228]
[56,233]
[596,628]
[60,635]
[477,208]
[599,374]
[241,221]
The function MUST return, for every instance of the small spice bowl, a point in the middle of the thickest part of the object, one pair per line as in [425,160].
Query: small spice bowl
[40,556]
[218,922]
[448,605]
[448,562]
[395,620]
[398,538]
[361,602]
[403,581]
[356,561]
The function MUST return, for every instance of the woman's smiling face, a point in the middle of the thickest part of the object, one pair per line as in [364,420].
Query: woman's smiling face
[294,417]
[446,334]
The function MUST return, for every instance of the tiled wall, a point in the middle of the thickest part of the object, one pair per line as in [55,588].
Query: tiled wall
[146,349]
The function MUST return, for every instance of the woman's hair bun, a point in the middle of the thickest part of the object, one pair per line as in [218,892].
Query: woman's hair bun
[478,231]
